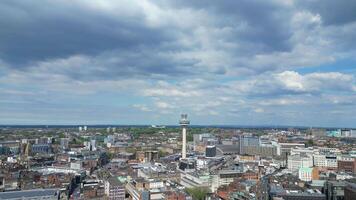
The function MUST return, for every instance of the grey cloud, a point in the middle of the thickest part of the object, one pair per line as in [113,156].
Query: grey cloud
[53,29]
[332,12]
[265,26]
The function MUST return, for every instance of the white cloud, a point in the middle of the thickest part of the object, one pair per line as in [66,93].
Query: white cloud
[163,105]
[141,107]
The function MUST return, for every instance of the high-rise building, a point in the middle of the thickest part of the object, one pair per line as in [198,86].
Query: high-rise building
[210,151]
[64,142]
[248,140]
[92,145]
[184,122]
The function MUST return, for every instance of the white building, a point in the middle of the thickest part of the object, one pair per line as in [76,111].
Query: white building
[305,173]
[191,180]
[331,161]
[303,151]
[319,160]
[295,162]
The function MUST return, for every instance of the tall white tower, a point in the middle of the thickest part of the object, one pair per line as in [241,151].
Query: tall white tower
[184,122]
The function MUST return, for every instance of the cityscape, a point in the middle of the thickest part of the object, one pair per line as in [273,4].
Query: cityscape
[177,100]
[177,162]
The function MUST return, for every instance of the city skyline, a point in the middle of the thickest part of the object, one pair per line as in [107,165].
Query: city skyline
[245,63]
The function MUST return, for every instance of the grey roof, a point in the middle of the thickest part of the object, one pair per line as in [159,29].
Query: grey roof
[29,193]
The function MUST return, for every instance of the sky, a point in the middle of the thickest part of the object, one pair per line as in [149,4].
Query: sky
[246,62]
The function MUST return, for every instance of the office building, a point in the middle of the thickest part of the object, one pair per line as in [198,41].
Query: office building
[210,151]
[114,189]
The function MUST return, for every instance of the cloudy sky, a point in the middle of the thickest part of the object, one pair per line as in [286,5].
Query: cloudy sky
[247,62]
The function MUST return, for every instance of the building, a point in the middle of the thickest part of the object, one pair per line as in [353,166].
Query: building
[36,194]
[141,189]
[350,191]
[41,148]
[114,189]
[319,160]
[334,190]
[224,177]
[210,151]
[331,161]
[305,173]
[195,179]
[176,195]
[284,149]
[345,133]
[92,145]
[93,189]
[295,162]
[12,146]
[64,142]
[263,150]
[346,164]
[248,140]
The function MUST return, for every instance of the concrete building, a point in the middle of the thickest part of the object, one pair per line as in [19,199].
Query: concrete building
[248,140]
[41,148]
[36,194]
[195,179]
[334,190]
[284,149]
[263,150]
[305,173]
[319,160]
[210,151]
[331,161]
[350,191]
[141,189]
[346,164]
[64,142]
[295,162]
[114,189]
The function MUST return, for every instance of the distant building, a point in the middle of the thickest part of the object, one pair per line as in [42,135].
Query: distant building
[264,150]
[114,189]
[92,145]
[41,148]
[36,194]
[350,191]
[335,190]
[248,140]
[347,164]
[64,142]
[93,189]
[12,146]
[308,174]
[334,133]
[176,195]
[295,162]
[284,149]
[210,151]
[331,161]
[305,173]
[319,160]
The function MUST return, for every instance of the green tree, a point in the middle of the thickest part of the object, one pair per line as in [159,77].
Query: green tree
[198,193]
[310,143]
